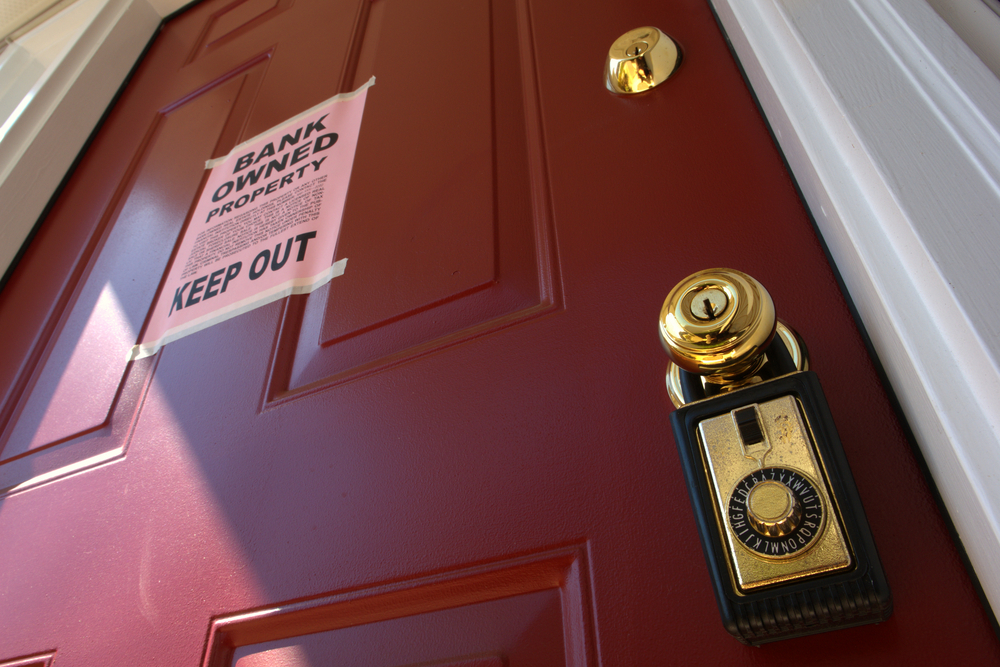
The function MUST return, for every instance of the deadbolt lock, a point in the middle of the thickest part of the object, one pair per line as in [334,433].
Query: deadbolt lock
[639,60]
[780,519]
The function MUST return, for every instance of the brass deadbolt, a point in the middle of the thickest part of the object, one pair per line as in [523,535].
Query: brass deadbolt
[641,59]
[717,323]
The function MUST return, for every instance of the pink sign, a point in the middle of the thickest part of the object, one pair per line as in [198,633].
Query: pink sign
[266,225]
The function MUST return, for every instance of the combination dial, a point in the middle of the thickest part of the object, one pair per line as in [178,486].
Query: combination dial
[776,512]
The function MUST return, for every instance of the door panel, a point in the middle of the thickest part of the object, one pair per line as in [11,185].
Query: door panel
[458,452]
[85,368]
[527,611]
[468,214]
[232,20]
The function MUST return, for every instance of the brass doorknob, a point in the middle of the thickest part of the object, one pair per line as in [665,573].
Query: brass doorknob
[717,323]
[641,59]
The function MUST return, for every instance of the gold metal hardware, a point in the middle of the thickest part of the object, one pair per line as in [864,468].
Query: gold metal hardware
[780,521]
[717,323]
[641,59]
[774,512]
[796,350]
[772,506]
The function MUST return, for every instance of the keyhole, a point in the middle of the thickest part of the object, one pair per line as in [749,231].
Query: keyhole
[709,304]
[709,309]
[636,49]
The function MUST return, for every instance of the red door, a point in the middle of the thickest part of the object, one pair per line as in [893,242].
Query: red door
[458,453]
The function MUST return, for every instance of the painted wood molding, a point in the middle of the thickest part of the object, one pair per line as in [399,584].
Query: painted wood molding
[891,126]
[977,22]
[44,134]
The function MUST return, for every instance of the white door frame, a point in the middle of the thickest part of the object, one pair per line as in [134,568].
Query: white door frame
[890,124]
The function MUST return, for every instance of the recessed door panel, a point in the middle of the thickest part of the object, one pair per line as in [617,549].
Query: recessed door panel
[84,370]
[524,612]
[461,245]
[75,409]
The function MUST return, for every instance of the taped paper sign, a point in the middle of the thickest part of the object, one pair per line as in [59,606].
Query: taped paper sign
[266,225]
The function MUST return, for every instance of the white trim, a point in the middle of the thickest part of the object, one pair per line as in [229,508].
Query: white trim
[890,124]
[167,7]
[977,22]
[89,49]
